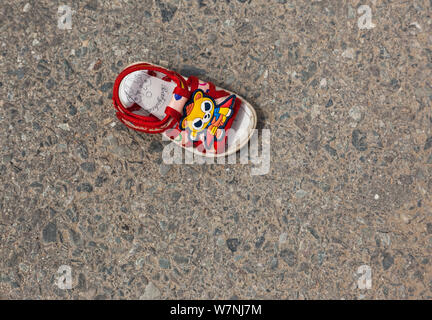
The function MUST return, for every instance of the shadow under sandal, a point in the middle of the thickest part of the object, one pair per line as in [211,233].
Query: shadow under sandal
[196,115]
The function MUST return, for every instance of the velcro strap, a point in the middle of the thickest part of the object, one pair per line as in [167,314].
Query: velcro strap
[182,92]
[173,113]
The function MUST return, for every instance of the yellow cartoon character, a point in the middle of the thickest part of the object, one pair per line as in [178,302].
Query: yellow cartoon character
[202,115]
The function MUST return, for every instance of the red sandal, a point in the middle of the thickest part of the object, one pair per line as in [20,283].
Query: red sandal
[197,115]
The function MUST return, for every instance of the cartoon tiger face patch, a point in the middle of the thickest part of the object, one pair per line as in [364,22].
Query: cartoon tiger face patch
[203,115]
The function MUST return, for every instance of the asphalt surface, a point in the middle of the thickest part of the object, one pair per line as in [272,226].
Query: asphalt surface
[348,105]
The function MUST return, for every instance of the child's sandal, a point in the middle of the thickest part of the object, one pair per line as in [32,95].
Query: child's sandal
[197,115]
